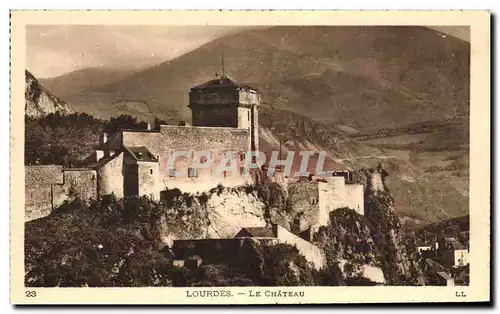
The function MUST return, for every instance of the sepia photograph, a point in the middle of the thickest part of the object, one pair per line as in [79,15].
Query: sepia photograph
[217,156]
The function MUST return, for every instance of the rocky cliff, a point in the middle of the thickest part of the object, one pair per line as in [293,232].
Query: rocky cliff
[372,246]
[387,233]
[39,101]
[220,213]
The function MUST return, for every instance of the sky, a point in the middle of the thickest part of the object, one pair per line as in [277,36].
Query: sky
[55,50]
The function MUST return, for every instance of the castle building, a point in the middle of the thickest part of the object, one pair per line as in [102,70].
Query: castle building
[224,119]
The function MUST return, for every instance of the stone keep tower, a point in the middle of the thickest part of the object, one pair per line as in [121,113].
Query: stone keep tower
[223,103]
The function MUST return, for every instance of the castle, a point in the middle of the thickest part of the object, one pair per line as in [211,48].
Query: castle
[225,118]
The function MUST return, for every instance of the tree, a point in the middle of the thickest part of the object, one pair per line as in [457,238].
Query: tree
[123,122]
[97,245]
[285,266]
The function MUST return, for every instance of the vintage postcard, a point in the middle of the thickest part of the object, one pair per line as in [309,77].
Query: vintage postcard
[250,157]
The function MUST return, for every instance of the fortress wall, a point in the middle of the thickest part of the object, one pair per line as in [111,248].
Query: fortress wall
[202,184]
[40,181]
[81,183]
[43,174]
[355,198]
[304,197]
[148,179]
[110,177]
[187,138]
[48,186]
[337,193]
[324,193]
[38,201]
[311,252]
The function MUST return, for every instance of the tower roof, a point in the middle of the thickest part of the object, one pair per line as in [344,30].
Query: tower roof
[221,82]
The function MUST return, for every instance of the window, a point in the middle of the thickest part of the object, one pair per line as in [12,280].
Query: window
[150,171]
[242,156]
[93,177]
[248,115]
[192,172]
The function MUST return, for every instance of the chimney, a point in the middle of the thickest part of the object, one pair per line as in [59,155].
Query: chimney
[149,127]
[104,138]
[99,154]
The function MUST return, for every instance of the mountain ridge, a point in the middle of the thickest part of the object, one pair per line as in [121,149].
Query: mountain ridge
[354,76]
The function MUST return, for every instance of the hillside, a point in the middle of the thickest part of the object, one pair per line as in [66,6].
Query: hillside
[361,77]
[84,79]
[301,133]
[39,101]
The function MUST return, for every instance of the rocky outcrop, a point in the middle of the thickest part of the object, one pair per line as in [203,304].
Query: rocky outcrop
[220,213]
[348,243]
[386,228]
[232,210]
[39,101]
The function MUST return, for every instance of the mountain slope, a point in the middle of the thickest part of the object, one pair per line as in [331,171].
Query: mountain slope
[39,101]
[85,79]
[362,77]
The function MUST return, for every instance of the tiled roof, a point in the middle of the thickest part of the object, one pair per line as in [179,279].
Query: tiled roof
[220,82]
[141,153]
[104,160]
[255,232]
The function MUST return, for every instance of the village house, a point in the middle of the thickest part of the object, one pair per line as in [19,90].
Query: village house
[452,253]
[426,246]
